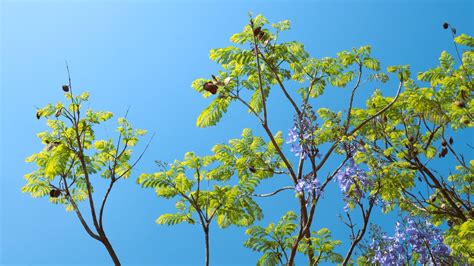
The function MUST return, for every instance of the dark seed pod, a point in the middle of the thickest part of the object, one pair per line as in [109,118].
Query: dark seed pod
[65,88]
[419,179]
[261,36]
[210,87]
[38,115]
[466,122]
[439,155]
[444,143]
[460,104]
[445,25]
[451,141]
[444,151]
[411,139]
[453,30]
[252,169]
[54,193]
[257,31]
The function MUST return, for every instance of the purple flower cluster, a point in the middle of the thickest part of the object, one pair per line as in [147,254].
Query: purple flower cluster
[301,135]
[353,181]
[309,185]
[420,237]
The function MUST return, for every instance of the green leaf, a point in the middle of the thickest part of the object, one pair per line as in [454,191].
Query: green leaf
[213,113]
[464,39]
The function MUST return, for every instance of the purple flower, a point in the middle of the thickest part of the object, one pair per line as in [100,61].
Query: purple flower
[301,135]
[414,236]
[353,181]
[309,185]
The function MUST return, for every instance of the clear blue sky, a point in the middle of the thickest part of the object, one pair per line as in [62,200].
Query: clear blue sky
[145,55]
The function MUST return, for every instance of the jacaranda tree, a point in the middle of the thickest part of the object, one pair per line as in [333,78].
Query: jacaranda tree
[72,158]
[383,149]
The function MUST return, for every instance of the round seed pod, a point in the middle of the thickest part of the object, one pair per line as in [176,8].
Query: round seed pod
[65,88]
[411,139]
[444,143]
[445,25]
[466,121]
[210,87]
[252,169]
[54,193]
[257,31]
[460,104]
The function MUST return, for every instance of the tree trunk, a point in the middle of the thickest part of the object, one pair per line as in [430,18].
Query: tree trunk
[206,237]
[110,249]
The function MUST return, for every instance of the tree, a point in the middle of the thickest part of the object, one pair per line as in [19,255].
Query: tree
[415,146]
[250,158]
[258,63]
[72,156]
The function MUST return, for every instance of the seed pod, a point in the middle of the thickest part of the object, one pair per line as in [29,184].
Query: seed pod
[54,193]
[453,30]
[419,179]
[445,25]
[451,141]
[444,151]
[65,88]
[460,104]
[58,112]
[252,169]
[444,143]
[38,115]
[411,139]
[257,31]
[466,121]
[214,78]
[210,87]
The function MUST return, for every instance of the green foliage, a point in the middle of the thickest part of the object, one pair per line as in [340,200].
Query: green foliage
[460,239]
[72,153]
[200,182]
[277,63]
[276,242]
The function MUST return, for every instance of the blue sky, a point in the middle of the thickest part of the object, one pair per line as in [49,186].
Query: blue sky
[145,55]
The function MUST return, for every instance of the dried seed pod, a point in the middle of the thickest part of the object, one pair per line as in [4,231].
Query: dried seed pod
[451,141]
[444,143]
[252,169]
[257,31]
[214,78]
[54,193]
[466,121]
[444,151]
[460,104]
[38,115]
[453,30]
[65,88]
[58,112]
[210,87]
[445,25]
